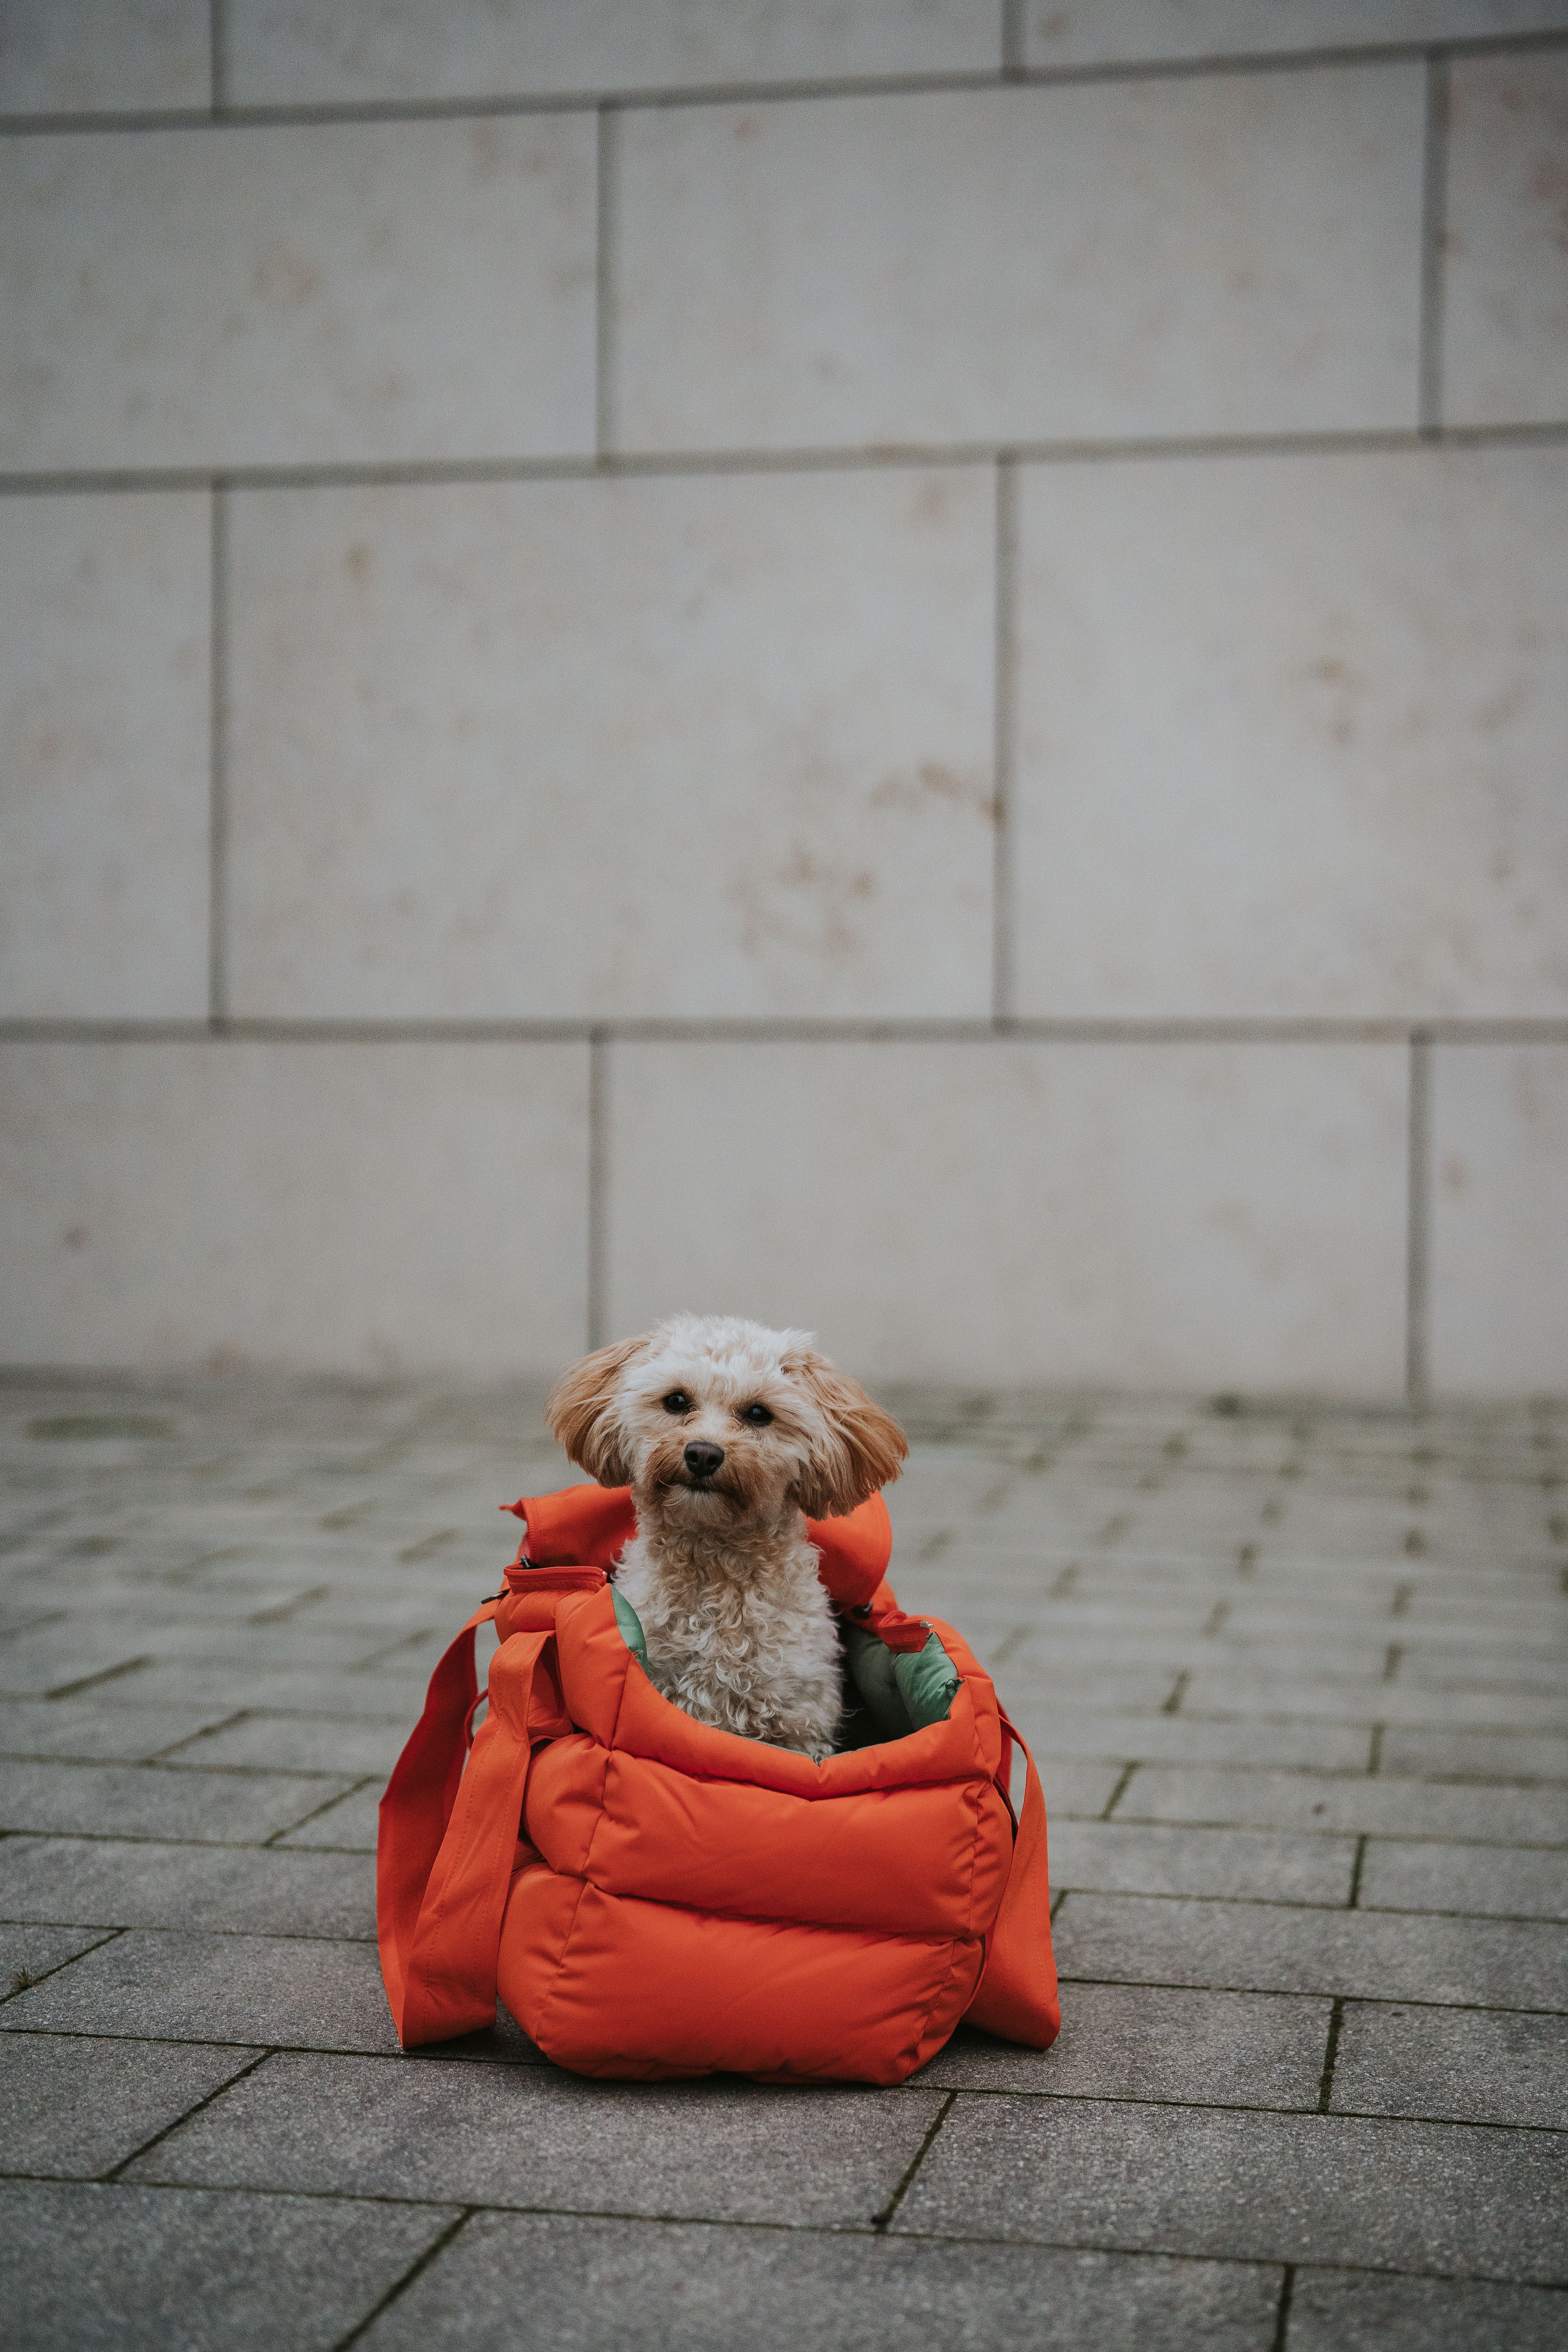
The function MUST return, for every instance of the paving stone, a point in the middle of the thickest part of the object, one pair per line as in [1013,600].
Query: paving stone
[1042,1682]
[97,1730]
[1506,1881]
[70,2107]
[689,2287]
[1112,1859]
[535,2136]
[1212,1692]
[1475,1755]
[1194,1739]
[1469,2065]
[1356,2311]
[254,1890]
[28,1953]
[387,1697]
[298,1992]
[1073,1785]
[131,1800]
[128,2270]
[347,1826]
[55,1658]
[301,1743]
[1256,2188]
[1141,2042]
[34,1664]
[1269,1947]
[1312,1801]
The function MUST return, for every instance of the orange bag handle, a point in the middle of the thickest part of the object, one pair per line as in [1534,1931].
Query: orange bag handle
[447,1837]
[1017,1996]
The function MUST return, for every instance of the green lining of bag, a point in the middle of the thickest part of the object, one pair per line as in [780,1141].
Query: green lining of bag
[902,1691]
[929,1681]
[630,1624]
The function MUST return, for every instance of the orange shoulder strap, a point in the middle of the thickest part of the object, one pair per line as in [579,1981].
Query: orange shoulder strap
[1017,1996]
[447,1838]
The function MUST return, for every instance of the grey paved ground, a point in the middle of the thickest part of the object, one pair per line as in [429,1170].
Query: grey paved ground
[1297,1683]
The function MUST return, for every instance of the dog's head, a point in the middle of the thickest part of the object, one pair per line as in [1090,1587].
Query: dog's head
[715,1423]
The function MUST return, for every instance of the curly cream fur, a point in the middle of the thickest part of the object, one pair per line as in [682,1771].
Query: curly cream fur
[740,1630]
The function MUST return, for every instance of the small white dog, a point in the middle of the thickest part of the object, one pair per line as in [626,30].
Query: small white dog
[730,1436]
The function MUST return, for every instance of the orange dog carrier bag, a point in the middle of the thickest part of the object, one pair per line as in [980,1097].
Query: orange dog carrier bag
[652,1897]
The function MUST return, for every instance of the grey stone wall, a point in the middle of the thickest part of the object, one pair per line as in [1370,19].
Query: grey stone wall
[897,666]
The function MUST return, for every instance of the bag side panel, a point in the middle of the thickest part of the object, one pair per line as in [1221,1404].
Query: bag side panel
[1018,1997]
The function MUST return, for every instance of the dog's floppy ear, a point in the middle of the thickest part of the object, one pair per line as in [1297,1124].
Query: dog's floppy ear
[863,1446]
[580,1413]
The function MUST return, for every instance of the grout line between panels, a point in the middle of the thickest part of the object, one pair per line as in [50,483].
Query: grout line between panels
[1012,73]
[785,1030]
[217,55]
[598,1187]
[587,465]
[1004,739]
[1433,242]
[605,199]
[1417,1290]
[218,762]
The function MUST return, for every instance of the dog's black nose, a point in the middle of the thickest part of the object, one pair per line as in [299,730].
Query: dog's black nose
[703,1460]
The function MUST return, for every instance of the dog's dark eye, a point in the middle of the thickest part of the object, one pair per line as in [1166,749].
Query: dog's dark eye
[677,1401]
[757,1414]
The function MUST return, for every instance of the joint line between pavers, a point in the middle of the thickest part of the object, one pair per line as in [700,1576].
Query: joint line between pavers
[208,1731]
[1118,1791]
[291,1829]
[437,2246]
[91,1681]
[1262,2107]
[1282,2310]
[883,2220]
[1316,1993]
[1331,2052]
[1237,2262]
[23,1980]
[239,2076]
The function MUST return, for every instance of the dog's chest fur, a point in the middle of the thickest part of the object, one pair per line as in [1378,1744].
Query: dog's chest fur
[743,1640]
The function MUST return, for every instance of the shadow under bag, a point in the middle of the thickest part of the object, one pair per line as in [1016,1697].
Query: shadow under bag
[654,1897]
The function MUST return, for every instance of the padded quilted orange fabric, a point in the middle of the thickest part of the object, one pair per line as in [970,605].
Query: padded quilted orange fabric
[654,1897]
